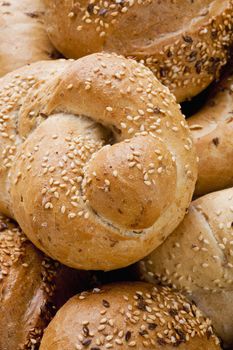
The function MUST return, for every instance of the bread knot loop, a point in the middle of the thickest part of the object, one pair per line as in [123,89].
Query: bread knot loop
[132,182]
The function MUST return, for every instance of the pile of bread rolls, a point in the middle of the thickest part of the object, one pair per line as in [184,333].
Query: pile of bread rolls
[116,202]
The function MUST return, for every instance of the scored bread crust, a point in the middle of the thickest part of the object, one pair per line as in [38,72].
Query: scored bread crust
[32,288]
[129,316]
[23,37]
[198,257]
[212,131]
[185,43]
[82,200]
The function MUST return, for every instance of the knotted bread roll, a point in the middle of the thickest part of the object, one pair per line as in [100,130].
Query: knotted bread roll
[32,288]
[185,43]
[23,37]
[129,316]
[212,131]
[198,259]
[98,166]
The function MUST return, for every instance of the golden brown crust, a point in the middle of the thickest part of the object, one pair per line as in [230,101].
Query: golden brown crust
[21,81]
[134,209]
[61,152]
[212,131]
[198,256]
[23,38]
[185,43]
[32,288]
[129,316]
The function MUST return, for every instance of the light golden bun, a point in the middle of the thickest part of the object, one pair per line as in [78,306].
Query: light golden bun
[32,288]
[185,43]
[23,37]
[81,200]
[212,131]
[129,316]
[198,258]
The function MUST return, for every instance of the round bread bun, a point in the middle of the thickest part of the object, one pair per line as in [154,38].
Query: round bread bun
[32,288]
[212,131]
[197,258]
[185,43]
[98,166]
[23,37]
[129,316]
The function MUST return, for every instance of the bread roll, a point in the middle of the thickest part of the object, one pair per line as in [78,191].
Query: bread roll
[32,288]
[198,258]
[129,316]
[212,131]
[185,43]
[98,166]
[23,38]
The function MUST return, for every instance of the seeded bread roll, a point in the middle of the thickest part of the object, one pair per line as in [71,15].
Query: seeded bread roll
[212,131]
[97,165]
[32,288]
[185,43]
[129,316]
[23,37]
[198,258]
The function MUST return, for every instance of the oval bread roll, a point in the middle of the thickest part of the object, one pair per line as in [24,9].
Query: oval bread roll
[129,316]
[212,131]
[185,43]
[198,258]
[23,37]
